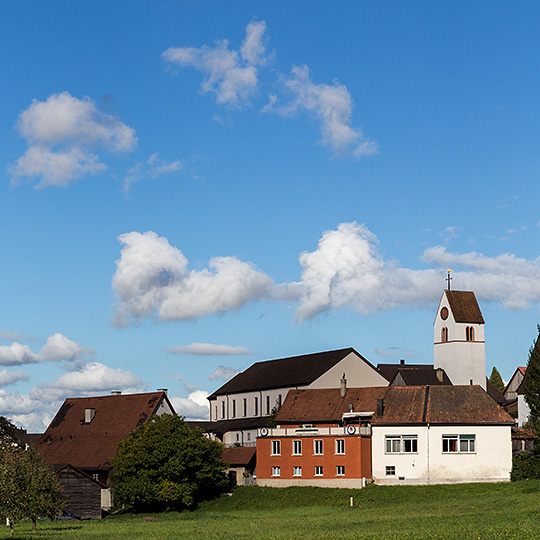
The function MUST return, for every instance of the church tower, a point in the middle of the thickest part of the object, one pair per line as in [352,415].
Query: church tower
[459,345]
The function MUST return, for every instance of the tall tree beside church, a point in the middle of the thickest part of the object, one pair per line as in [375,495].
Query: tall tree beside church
[531,385]
[496,380]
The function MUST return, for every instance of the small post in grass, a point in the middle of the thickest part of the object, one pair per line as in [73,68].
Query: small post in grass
[352,502]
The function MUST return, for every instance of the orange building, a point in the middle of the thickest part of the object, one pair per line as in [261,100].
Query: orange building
[323,439]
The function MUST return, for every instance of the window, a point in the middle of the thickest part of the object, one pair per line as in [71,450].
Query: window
[390,470]
[340,446]
[402,444]
[276,471]
[297,448]
[267,404]
[340,470]
[297,471]
[318,470]
[469,333]
[234,408]
[95,476]
[256,406]
[245,407]
[279,400]
[249,436]
[276,448]
[318,447]
[444,334]
[222,409]
[464,444]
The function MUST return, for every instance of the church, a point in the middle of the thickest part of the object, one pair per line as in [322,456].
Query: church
[333,419]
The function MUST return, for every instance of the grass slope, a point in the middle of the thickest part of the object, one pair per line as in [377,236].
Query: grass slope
[466,511]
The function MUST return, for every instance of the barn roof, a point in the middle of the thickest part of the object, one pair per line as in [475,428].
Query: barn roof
[69,439]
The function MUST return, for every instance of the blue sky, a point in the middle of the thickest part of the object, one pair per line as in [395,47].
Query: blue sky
[190,187]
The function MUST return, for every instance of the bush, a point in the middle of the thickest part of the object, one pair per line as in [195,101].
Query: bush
[525,467]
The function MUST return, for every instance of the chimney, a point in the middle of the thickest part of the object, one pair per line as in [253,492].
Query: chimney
[380,406]
[342,387]
[402,361]
[164,390]
[440,374]
[116,392]
[89,415]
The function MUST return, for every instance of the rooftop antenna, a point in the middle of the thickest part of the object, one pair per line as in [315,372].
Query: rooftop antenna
[449,278]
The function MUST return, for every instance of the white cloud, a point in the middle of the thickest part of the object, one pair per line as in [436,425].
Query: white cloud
[331,105]
[153,167]
[92,378]
[22,410]
[57,348]
[153,277]
[12,377]
[347,270]
[61,133]
[209,349]
[223,373]
[7,335]
[229,74]
[194,407]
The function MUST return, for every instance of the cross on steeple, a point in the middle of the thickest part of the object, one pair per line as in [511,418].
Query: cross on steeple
[449,278]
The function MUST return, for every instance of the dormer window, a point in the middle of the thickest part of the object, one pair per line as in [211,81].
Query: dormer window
[89,415]
[444,334]
[469,333]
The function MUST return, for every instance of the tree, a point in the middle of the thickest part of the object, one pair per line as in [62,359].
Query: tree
[28,487]
[496,380]
[7,432]
[165,463]
[531,385]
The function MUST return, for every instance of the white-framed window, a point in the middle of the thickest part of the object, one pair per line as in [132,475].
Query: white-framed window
[267,404]
[256,402]
[297,448]
[297,471]
[390,470]
[340,470]
[401,444]
[222,409]
[245,406]
[318,470]
[318,447]
[234,408]
[276,471]
[459,444]
[276,448]
[340,446]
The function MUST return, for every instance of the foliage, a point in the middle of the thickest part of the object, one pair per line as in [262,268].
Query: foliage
[496,380]
[7,432]
[165,463]
[273,413]
[28,487]
[531,385]
[525,467]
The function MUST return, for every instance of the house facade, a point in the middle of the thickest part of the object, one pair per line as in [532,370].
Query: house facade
[441,434]
[394,435]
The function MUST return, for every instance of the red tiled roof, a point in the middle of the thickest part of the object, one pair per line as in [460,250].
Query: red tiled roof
[238,455]
[91,446]
[464,307]
[326,405]
[441,405]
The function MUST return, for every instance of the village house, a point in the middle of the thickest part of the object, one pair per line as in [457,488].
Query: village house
[82,439]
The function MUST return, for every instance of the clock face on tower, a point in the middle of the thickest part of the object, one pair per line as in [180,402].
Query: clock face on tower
[444,313]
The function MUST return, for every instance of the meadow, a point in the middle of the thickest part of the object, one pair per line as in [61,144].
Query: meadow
[467,511]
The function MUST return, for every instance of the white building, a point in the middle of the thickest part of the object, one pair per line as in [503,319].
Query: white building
[440,434]
[459,343]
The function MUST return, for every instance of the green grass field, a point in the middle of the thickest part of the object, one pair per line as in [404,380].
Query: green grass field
[467,511]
